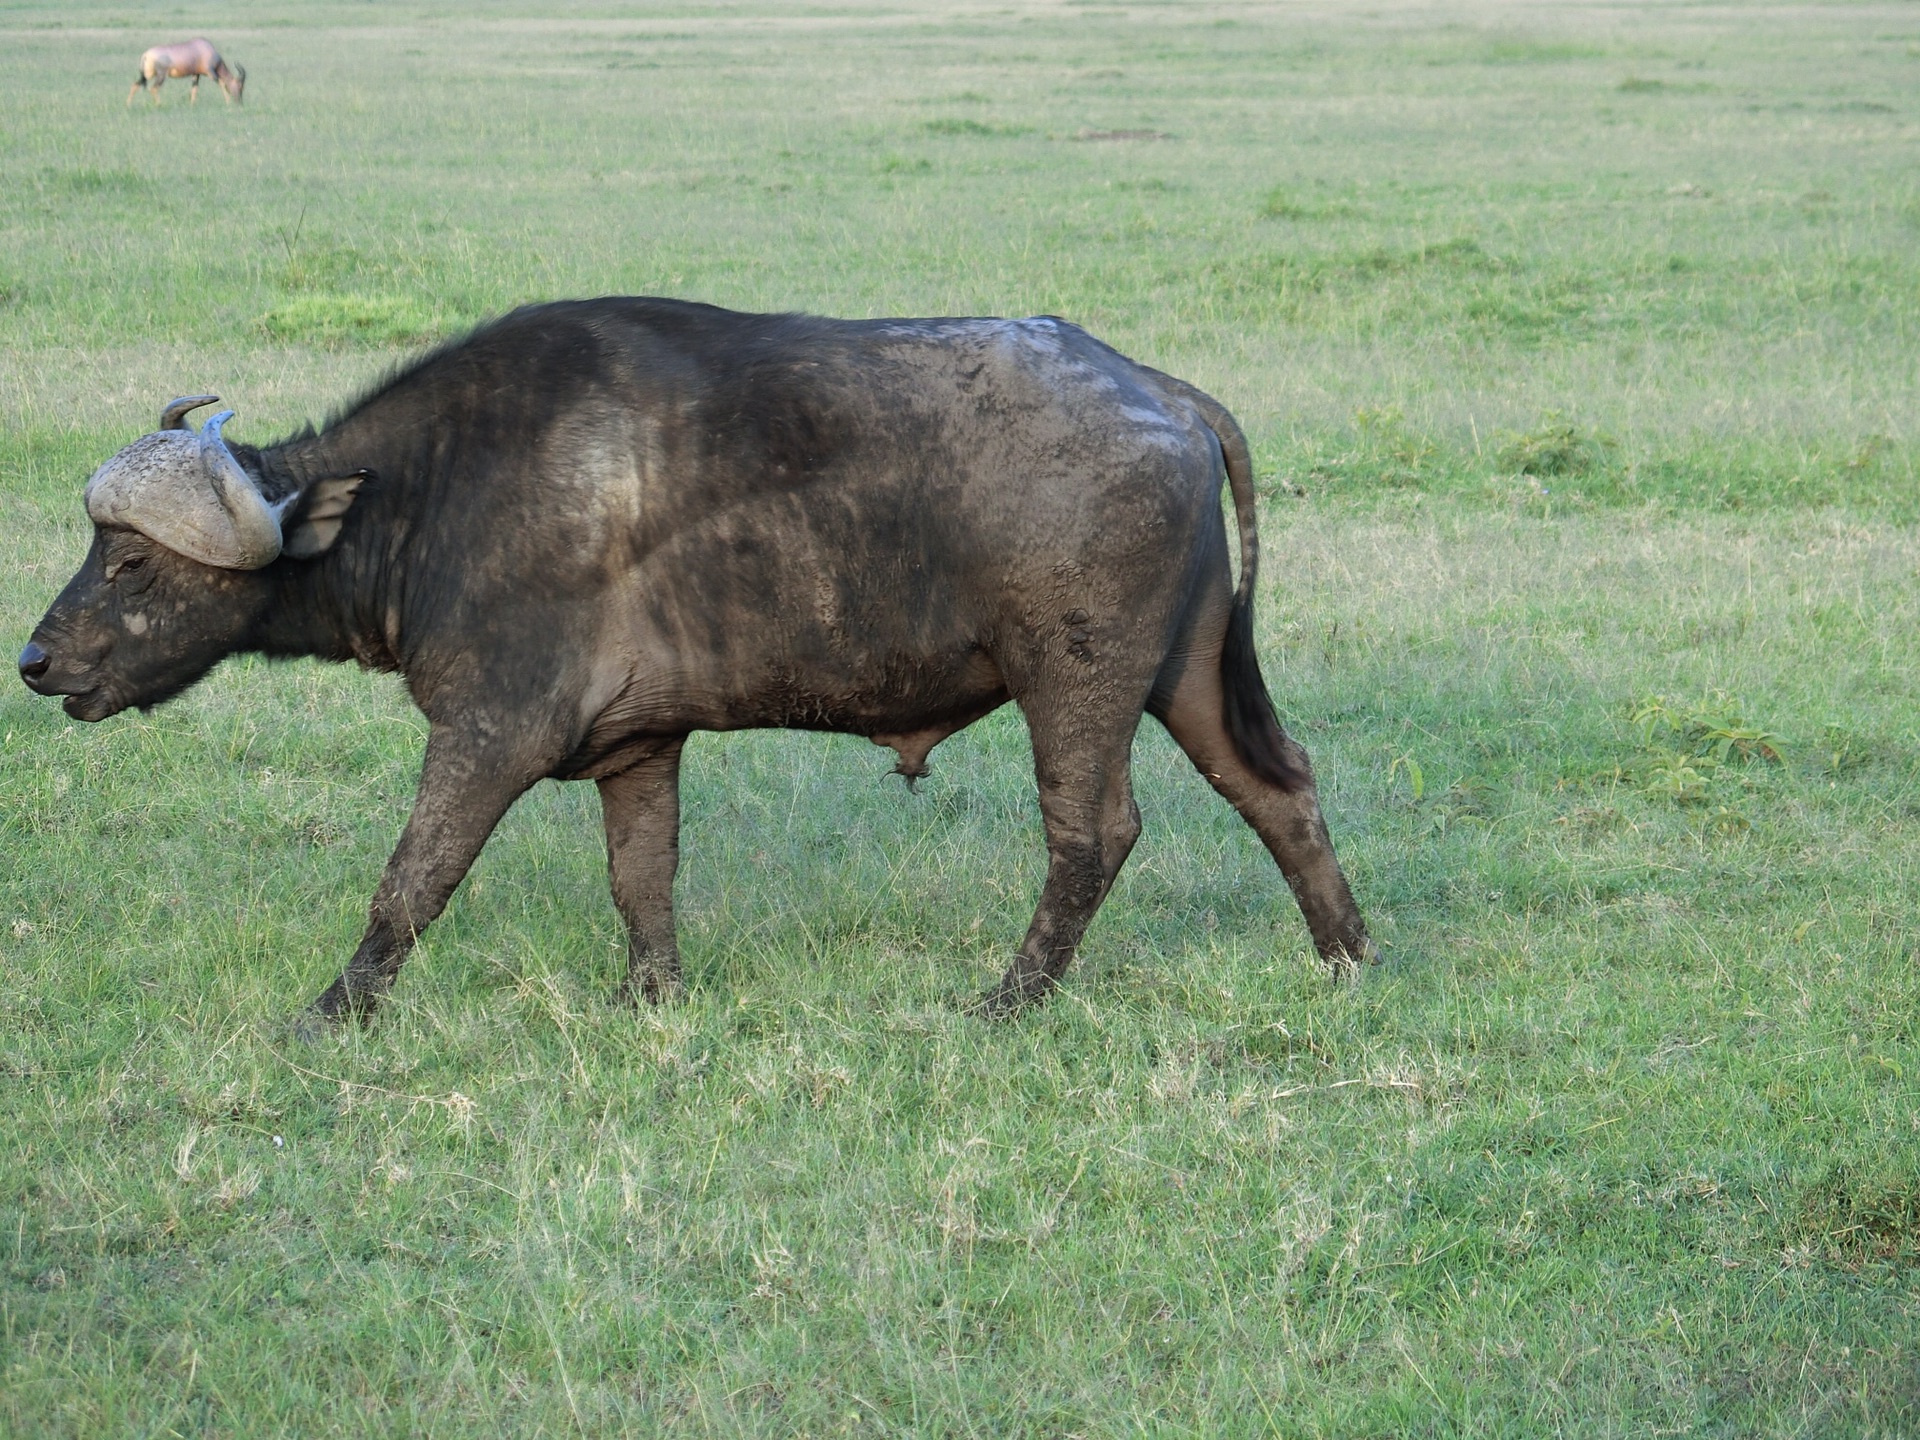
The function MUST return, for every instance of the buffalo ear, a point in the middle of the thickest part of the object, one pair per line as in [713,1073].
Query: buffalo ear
[321,514]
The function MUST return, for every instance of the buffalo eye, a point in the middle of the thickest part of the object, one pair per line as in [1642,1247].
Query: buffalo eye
[131,573]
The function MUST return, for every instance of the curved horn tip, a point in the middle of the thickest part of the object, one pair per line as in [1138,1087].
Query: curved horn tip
[174,417]
[254,538]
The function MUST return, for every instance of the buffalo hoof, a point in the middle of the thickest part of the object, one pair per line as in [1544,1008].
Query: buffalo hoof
[1343,965]
[652,993]
[1004,1001]
[334,1008]
[312,1025]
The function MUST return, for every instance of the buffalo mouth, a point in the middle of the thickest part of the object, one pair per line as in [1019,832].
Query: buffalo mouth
[40,673]
[90,705]
[80,704]
[94,702]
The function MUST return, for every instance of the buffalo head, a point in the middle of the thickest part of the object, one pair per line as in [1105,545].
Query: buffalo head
[172,582]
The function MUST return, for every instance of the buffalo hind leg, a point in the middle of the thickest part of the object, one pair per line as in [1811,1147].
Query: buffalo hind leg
[464,791]
[1086,805]
[1288,821]
[642,810]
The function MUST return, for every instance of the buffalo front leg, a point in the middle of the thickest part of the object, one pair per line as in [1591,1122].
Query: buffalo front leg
[641,806]
[465,788]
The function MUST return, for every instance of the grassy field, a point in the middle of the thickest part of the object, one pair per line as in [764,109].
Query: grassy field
[1578,349]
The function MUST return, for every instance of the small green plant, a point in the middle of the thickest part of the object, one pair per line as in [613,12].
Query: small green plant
[333,320]
[1841,751]
[323,267]
[1556,447]
[1712,729]
[1467,799]
[1725,820]
[1681,778]
[1416,778]
[1391,449]
[1384,451]
[1690,744]
[1379,422]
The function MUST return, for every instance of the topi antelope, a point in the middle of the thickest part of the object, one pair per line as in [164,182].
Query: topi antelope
[196,58]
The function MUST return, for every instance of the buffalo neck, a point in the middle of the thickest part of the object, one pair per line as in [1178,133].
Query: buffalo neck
[347,603]
[446,446]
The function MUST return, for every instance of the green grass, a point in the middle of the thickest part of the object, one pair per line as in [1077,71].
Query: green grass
[1578,353]
[332,319]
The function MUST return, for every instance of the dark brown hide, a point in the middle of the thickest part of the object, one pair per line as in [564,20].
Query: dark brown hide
[593,527]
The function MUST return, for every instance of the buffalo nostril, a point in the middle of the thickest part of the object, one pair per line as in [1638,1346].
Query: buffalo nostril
[34,662]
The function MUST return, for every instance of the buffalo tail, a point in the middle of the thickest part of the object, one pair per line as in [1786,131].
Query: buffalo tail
[1251,722]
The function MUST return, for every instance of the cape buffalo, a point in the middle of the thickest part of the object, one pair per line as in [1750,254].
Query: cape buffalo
[592,527]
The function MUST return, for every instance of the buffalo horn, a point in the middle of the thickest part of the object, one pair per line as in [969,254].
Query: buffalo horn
[188,492]
[256,525]
[174,417]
